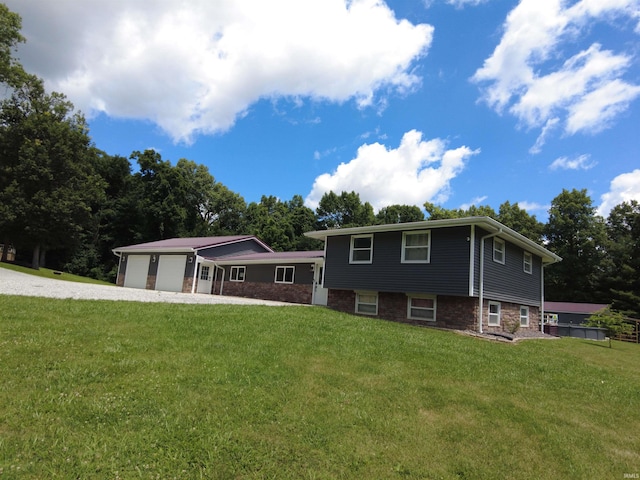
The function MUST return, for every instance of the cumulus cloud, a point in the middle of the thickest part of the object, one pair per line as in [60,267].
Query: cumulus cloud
[581,162]
[196,67]
[586,92]
[415,172]
[623,188]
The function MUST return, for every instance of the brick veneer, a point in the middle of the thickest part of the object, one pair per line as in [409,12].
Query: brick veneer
[281,292]
[459,313]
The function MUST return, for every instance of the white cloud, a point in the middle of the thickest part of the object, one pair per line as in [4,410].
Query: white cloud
[415,172]
[551,125]
[477,201]
[623,188]
[581,162]
[586,92]
[196,67]
[533,207]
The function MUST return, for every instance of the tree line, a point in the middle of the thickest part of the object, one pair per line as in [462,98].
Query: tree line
[68,204]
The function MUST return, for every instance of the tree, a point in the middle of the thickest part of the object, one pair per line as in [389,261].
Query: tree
[622,270]
[436,212]
[614,322]
[344,210]
[11,71]
[519,220]
[48,181]
[399,214]
[577,234]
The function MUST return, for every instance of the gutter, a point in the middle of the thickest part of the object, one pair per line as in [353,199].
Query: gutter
[481,289]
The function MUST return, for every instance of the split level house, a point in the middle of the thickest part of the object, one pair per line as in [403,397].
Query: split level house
[435,272]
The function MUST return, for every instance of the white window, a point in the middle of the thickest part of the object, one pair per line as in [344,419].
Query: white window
[367,303]
[422,307]
[361,249]
[494,313]
[498,250]
[284,274]
[527,263]
[204,272]
[524,316]
[416,247]
[237,274]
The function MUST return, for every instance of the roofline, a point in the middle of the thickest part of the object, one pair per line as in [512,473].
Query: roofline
[136,248]
[488,223]
[269,261]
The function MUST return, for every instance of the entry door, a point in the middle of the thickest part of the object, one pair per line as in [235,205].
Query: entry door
[205,279]
[320,293]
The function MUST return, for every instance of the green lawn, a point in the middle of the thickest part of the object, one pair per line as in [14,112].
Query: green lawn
[125,390]
[48,273]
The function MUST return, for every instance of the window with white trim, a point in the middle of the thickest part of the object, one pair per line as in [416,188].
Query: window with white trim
[285,274]
[237,274]
[416,247]
[524,316]
[367,303]
[494,314]
[498,250]
[421,307]
[527,262]
[204,272]
[361,249]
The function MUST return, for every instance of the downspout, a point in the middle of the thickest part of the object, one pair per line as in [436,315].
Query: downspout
[481,289]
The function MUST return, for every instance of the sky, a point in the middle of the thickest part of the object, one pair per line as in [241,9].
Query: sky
[453,102]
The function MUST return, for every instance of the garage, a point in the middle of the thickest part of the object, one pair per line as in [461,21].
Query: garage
[137,271]
[170,275]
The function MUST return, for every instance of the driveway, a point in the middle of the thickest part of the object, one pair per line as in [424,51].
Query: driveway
[16,283]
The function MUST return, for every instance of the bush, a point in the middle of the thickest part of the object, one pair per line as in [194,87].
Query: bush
[614,322]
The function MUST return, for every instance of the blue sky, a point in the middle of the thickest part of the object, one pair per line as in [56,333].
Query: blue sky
[455,102]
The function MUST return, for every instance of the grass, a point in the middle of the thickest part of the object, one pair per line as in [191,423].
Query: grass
[55,274]
[93,389]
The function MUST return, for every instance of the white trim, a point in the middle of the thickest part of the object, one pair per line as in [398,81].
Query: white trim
[526,263]
[358,303]
[284,269]
[472,259]
[404,246]
[410,297]
[489,314]
[352,249]
[236,277]
[497,241]
[527,316]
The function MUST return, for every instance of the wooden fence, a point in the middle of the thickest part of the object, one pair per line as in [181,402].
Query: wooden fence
[634,336]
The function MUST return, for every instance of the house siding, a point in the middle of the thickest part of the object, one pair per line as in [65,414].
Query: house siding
[509,282]
[447,273]
[259,273]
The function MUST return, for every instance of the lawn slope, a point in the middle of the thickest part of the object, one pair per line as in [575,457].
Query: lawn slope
[124,390]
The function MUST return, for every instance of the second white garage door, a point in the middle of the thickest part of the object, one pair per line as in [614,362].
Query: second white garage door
[170,272]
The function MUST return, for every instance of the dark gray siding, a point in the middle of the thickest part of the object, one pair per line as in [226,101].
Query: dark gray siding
[509,282]
[303,274]
[446,274]
[237,248]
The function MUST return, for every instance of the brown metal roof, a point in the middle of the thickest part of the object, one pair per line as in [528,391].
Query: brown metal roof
[569,307]
[187,244]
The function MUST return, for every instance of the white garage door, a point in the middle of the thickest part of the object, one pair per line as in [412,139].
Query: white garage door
[137,270]
[170,272]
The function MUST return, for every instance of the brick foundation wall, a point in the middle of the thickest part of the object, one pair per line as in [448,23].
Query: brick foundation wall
[120,280]
[187,283]
[280,292]
[151,282]
[458,313]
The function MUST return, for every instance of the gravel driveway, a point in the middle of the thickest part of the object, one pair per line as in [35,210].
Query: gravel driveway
[16,283]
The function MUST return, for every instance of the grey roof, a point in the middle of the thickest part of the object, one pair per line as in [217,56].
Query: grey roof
[487,223]
[189,244]
[271,257]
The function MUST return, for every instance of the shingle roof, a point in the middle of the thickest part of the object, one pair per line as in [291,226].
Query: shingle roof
[185,244]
